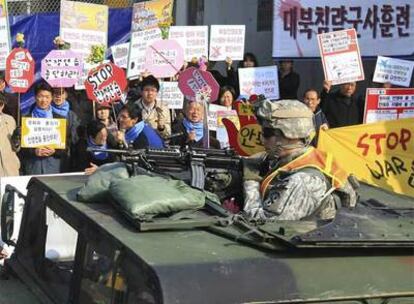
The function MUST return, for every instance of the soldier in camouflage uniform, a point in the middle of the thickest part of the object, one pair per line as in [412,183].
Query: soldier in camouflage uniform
[292,180]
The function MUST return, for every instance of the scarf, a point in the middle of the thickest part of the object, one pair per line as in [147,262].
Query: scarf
[98,154]
[62,110]
[132,133]
[198,127]
[40,113]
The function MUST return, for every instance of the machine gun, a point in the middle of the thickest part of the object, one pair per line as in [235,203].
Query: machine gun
[218,171]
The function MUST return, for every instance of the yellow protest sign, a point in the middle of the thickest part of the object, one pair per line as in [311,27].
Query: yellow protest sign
[43,132]
[148,14]
[381,154]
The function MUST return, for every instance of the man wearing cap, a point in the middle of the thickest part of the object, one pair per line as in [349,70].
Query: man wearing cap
[10,106]
[292,180]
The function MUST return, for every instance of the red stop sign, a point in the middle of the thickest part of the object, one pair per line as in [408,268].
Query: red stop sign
[105,83]
[20,69]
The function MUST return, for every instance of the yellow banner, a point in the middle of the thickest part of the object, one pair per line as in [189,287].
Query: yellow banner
[381,154]
[84,16]
[43,132]
[3,12]
[148,14]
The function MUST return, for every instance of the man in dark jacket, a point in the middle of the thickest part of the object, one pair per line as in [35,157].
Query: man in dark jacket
[42,160]
[342,108]
[289,80]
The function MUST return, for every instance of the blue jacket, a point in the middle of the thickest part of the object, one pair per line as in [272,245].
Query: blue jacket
[148,138]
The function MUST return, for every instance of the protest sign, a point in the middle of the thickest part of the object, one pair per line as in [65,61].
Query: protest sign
[148,14]
[164,58]
[140,41]
[212,115]
[341,59]
[388,104]
[256,81]
[384,27]
[106,83]
[227,41]
[380,154]
[61,68]
[120,54]
[171,95]
[20,69]
[43,132]
[193,39]
[193,81]
[394,71]
[4,34]
[83,25]
[248,140]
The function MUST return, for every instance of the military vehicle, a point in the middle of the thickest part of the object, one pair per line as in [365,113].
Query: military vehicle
[71,252]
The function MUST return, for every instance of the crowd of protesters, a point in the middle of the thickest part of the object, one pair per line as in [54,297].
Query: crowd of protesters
[143,120]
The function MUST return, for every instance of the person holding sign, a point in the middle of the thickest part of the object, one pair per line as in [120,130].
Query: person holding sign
[342,108]
[154,112]
[190,131]
[42,160]
[134,131]
[9,162]
[312,100]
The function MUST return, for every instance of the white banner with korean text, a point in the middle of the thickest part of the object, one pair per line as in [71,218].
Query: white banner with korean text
[257,81]
[384,27]
[4,35]
[193,39]
[394,71]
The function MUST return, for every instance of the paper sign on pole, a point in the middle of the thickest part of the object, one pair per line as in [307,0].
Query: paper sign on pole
[62,68]
[164,58]
[212,115]
[341,58]
[20,69]
[106,83]
[227,41]
[171,95]
[120,54]
[256,81]
[140,41]
[4,34]
[83,25]
[394,71]
[194,81]
[388,104]
[380,154]
[43,132]
[148,14]
[193,39]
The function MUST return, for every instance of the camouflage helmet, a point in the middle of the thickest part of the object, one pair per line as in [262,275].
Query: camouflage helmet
[292,117]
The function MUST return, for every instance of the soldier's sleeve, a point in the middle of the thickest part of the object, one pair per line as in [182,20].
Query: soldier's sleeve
[297,196]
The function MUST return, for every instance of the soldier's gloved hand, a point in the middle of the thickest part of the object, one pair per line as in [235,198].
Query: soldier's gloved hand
[252,201]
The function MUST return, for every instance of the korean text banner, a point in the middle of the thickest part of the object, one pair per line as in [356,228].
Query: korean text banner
[4,35]
[384,27]
[380,154]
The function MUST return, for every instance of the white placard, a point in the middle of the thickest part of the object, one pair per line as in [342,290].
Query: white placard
[171,95]
[193,39]
[394,71]
[140,41]
[340,55]
[120,54]
[257,81]
[212,115]
[227,41]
